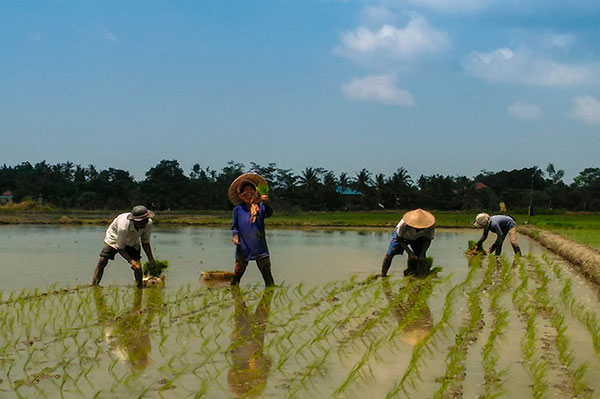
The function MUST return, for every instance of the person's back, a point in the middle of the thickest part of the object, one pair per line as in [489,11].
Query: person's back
[501,224]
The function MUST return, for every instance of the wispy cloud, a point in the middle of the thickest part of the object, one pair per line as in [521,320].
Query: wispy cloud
[524,111]
[380,88]
[107,34]
[416,38]
[377,14]
[587,109]
[453,6]
[561,40]
[521,66]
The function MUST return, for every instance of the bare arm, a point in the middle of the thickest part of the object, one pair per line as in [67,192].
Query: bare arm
[148,251]
[402,244]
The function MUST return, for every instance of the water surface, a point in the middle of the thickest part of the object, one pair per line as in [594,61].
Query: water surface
[36,256]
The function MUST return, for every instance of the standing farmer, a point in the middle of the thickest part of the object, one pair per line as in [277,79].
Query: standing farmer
[502,225]
[123,236]
[412,234]
[248,226]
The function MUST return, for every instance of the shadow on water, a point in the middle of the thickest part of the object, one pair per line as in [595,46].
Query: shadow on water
[128,334]
[411,312]
[250,365]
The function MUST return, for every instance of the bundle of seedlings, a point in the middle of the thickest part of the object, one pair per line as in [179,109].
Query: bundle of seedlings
[473,249]
[154,276]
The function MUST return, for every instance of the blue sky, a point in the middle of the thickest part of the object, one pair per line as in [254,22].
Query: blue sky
[434,86]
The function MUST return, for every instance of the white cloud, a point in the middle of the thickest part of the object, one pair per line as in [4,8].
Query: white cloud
[453,6]
[107,34]
[524,111]
[380,88]
[376,14]
[587,109]
[418,37]
[563,41]
[520,66]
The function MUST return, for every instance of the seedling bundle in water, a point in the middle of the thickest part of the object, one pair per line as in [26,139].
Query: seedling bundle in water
[340,339]
[473,249]
[159,268]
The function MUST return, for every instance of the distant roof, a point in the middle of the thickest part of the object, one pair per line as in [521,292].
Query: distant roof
[347,191]
[7,194]
[479,185]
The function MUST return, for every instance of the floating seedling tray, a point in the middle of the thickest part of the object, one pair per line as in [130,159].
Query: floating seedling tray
[216,275]
[150,281]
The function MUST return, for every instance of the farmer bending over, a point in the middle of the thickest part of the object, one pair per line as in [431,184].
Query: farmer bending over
[412,234]
[123,236]
[502,225]
[248,226]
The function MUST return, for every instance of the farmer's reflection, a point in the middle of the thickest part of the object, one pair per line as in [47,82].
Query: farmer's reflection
[249,364]
[413,315]
[128,334]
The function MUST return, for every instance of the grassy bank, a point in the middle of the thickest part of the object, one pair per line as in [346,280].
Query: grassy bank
[554,222]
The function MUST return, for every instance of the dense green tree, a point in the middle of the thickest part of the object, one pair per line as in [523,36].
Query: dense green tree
[167,187]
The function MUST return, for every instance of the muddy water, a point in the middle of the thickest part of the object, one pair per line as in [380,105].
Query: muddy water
[36,256]
[182,340]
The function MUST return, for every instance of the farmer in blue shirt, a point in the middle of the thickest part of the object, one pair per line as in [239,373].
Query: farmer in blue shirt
[248,226]
[503,226]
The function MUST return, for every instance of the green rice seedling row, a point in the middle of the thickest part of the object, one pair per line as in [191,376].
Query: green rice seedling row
[360,337]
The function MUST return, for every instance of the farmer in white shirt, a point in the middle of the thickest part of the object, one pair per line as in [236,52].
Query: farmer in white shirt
[123,236]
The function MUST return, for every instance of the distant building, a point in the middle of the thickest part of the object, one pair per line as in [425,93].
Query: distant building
[6,197]
[479,185]
[347,191]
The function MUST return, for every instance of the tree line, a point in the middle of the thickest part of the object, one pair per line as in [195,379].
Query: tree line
[167,186]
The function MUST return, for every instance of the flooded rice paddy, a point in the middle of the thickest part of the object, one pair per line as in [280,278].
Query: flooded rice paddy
[480,328]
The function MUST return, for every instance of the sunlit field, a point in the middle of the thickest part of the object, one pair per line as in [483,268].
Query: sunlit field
[503,329]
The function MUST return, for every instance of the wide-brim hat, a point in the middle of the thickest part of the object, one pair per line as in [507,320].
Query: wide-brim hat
[140,213]
[419,219]
[246,177]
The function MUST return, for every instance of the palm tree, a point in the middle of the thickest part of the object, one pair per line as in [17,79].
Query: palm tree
[309,178]
[344,181]
[363,180]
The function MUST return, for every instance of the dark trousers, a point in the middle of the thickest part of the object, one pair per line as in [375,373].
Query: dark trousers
[419,247]
[264,266]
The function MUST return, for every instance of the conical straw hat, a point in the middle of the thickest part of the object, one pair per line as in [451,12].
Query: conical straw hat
[419,219]
[233,189]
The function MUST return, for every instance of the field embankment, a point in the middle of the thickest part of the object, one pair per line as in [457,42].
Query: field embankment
[585,258]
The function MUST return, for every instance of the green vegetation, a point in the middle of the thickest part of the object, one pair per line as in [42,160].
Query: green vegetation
[168,186]
[331,340]
[159,268]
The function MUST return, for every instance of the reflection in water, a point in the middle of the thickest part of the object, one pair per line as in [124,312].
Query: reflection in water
[413,314]
[249,364]
[128,334]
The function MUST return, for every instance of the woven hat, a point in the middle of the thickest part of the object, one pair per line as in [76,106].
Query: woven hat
[419,219]
[139,213]
[253,178]
[482,220]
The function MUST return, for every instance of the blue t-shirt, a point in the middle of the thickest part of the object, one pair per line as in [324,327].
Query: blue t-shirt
[253,243]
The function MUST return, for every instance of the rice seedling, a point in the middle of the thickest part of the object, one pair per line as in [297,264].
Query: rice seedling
[412,373]
[322,341]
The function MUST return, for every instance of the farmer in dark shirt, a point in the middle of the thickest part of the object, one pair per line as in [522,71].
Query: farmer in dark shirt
[248,226]
[502,225]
